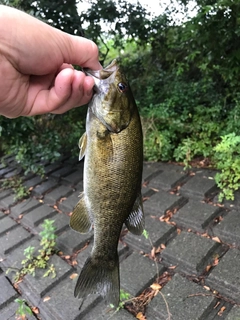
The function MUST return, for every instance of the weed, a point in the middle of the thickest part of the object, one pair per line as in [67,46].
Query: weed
[124,297]
[47,249]
[16,184]
[22,309]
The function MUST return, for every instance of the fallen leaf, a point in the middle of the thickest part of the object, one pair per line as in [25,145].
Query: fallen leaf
[162,246]
[66,257]
[221,311]
[62,199]
[206,287]
[215,262]
[46,298]
[20,216]
[144,184]
[153,252]
[208,267]
[140,316]
[216,239]
[172,267]
[41,201]
[156,286]
[145,198]
[73,276]
[154,189]
[35,310]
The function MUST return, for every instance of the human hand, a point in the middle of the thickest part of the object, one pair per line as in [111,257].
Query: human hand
[36,73]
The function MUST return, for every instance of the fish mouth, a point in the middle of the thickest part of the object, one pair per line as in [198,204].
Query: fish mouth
[106,74]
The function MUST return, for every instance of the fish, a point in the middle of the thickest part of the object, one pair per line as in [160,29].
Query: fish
[113,149]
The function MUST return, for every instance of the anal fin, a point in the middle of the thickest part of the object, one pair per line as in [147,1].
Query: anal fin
[135,220]
[80,219]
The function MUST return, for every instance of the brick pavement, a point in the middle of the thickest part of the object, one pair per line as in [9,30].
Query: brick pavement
[192,252]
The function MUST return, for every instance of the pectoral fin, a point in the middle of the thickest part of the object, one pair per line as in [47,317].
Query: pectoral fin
[135,221]
[80,220]
[82,145]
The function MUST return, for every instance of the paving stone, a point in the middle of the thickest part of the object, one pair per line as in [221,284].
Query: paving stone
[225,277]
[5,193]
[52,167]
[6,225]
[70,241]
[13,239]
[13,173]
[219,310]
[62,305]
[8,294]
[74,177]
[186,300]
[79,186]
[196,215]
[74,161]
[159,233]
[169,179]
[37,215]
[182,253]
[234,314]
[61,222]
[45,186]
[5,171]
[133,276]
[24,207]
[84,254]
[64,171]
[200,186]
[228,229]
[69,204]
[33,181]
[40,285]
[162,201]
[9,312]
[56,194]
[151,170]
[2,215]
[7,202]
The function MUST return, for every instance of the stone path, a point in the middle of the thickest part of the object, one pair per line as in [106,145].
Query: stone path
[192,254]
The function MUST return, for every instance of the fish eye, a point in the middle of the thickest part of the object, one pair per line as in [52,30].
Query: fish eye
[122,87]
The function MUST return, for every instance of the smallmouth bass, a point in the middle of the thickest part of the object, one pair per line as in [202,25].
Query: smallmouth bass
[113,150]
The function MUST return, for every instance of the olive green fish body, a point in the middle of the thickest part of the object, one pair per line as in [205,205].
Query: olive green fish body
[112,146]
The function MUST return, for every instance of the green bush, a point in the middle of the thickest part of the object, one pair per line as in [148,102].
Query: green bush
[227,160]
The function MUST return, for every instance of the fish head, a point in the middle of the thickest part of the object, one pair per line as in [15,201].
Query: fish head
[112,102]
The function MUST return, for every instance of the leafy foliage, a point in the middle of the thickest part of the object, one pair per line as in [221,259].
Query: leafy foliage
[227,159]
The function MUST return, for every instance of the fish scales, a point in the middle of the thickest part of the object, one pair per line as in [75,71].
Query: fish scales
[113,152]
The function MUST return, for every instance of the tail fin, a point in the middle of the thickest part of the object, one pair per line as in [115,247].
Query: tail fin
[99,277]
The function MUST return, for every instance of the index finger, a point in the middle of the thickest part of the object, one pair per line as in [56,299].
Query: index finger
[82,52]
